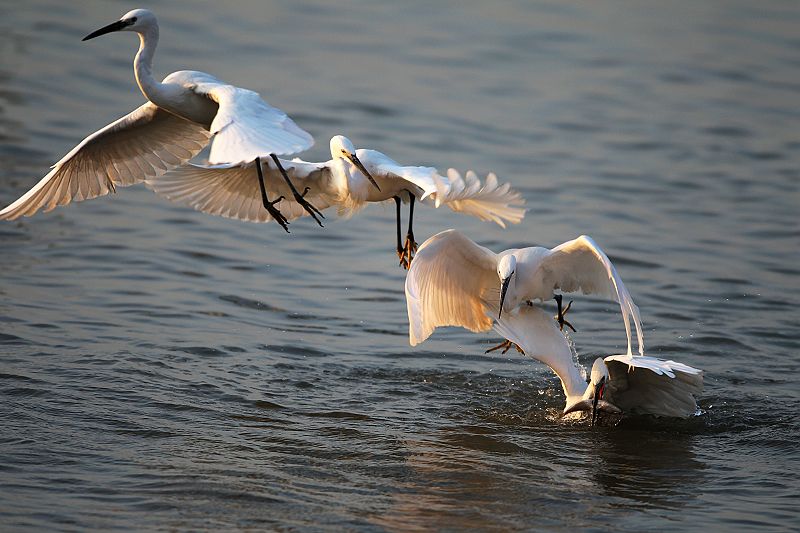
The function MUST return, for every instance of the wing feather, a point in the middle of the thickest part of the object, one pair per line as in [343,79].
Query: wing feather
[115,156]
[246,127]
[490,201]
[233,191]
[445,285]
[648,385]
[580,265]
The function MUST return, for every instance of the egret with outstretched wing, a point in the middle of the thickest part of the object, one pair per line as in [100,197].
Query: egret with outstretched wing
[454,282]
[182,113]
[349,181]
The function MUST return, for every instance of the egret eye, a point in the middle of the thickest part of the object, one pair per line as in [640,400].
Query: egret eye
[133,19]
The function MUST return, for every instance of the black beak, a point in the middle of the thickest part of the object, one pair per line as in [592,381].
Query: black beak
[503,290]
[114,26]
[598,395]
[357,163]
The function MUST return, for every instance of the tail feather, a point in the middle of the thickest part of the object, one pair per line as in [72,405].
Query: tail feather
[488,201]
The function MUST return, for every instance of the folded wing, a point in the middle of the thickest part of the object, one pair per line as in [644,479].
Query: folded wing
[647,385]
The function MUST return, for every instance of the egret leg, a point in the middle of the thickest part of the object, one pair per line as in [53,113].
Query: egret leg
[561,312]
[270,206]
[411,245]
[400,251]
[506,346]
[299,198]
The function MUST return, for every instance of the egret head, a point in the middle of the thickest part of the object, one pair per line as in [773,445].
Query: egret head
[505,270]
[593,400]
[137,20]
[342,148]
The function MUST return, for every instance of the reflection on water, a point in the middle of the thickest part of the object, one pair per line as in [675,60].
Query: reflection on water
[647,467]
[162,368]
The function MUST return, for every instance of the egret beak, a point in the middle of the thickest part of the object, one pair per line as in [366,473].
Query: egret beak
[354,159]
[599,389]
[114,26]
[503,290]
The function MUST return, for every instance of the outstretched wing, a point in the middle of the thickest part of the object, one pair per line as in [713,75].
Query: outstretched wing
[445,283]
[490,201]
[647,385]
[245,126]
[580,265]
[379,164]
[143,144]
[233,191]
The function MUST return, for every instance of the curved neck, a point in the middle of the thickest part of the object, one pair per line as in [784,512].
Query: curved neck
[572,380]
[143,65]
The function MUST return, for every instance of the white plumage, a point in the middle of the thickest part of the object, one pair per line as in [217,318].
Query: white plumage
[456,282]
[182,113]
[338,182]
[230,190]
[627,383]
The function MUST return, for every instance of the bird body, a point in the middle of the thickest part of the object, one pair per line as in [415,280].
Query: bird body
[228,190]
[630,384]
[454,282]
[182,113]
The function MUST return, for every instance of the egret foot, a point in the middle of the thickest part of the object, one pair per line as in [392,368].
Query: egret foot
[270,205]
[407,253]
[299,198]
[506,346]
[561,313]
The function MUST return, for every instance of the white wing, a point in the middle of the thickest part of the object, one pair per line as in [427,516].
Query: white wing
[581,265]
[233,191]
[245,126]
[489,201]
[379,164]
[145,143]
[537,334]
[444,285]
[647,385]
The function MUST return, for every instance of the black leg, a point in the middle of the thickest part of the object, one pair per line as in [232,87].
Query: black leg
[411,246]
[270,206]
[400,251]
[299,198]
[561,312]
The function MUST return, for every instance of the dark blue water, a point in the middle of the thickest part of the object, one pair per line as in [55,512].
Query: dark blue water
[163,369]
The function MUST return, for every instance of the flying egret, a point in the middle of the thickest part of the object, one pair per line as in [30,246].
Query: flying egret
[618,383]
[350,180]
[181,114]
[454,282]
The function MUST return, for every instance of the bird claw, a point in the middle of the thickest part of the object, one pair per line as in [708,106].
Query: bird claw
[310,209]
[561,313]
[406,255]
[506,346]
[276,214]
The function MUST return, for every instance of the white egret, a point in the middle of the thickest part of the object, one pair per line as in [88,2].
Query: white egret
[350,180]
[618,383]
[181,114]
[454,282]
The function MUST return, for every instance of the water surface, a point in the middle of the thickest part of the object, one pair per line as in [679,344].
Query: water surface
[161,368]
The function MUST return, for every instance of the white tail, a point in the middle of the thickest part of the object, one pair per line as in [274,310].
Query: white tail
[489,201]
